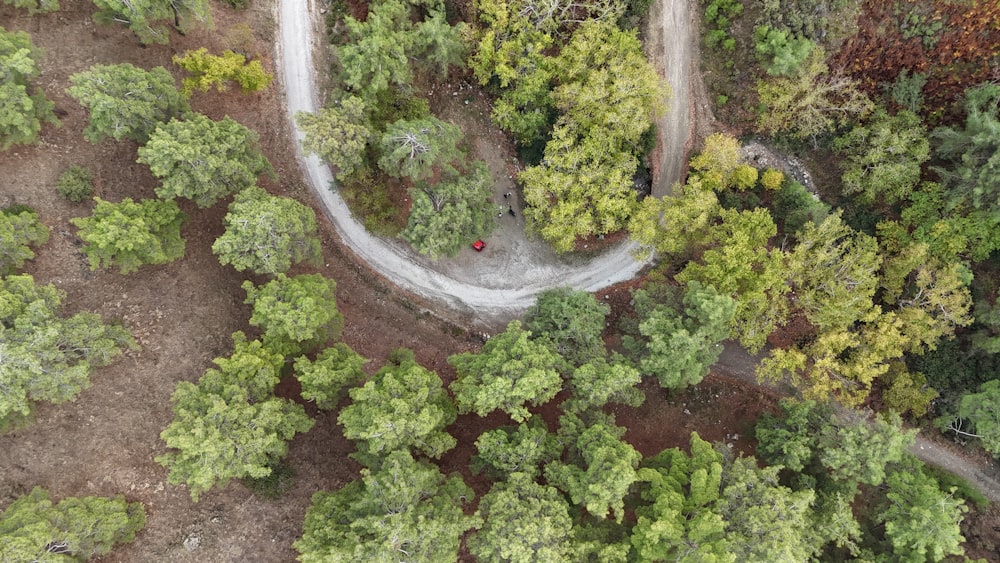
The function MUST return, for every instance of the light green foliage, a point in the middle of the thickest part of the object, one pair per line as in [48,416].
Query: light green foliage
[572,320]
[811,102]
[130,234]
[295,314]
[780,52]
[203,160]
[522,521]
[21,112]
[922,521]
[126,102]
[672,225]
[607,97]
[740,265]
[20,229]
[144,17]
[601,467]
[447,215]
[512,369]
[679,523]
[796,206]
[338,135]
[47,357]
[600,382]
[207,70]
[679,342]
[765,521]
[267,234]
[230,425]
[406,510]
[907,90]
[325,380]
[717,162]
[76,184]
[907,391]
[884,156]
[515,449]
[404,406]
[972,174]
[811,437]
[438,44]
[415,148]
[982,410]
[33,528]
[35,6]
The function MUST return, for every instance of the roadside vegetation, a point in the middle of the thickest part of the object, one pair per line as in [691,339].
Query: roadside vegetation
[874,298]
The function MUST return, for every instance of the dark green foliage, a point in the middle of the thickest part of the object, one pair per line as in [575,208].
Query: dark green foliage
[884,156]
[130,234]
[908,90]
[21,112]
[145,18]
[952,368]
[403,407]
[515,449]
[367,194]
[447,215]
[267,234]
[76,184]
[780,52]
[126,102]
[405,510]
[326,379]
[47,357]
[794,206]
[416,149]
[295,314]
[35,6]
[824,21]
[20,229]
[33,528]
[719,15]
[273,485]
[238,4]
[982,413]
[230,425]
[572,320]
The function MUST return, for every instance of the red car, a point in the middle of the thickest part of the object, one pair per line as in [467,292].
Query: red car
[479,245]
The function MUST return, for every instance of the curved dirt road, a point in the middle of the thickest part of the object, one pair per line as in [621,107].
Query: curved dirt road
[490,287]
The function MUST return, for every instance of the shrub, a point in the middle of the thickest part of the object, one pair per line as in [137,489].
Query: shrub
[238,4]
[76,184]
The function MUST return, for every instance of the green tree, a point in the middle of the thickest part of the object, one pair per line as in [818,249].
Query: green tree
[326,379]
[446,215]
[76,183]
[21,112]
[35,6]
[203,160]
[679,523]
[144,17]
[404,406]
[982,411]
[267,234]
[780,52]
[601,468]
[206,70]
[437,44]
[338,135]
[374,58]
[972,154]
[515,449]
[20,229]
[415,148]
[673,225]
[921,521]
[720,165]
[230,425]
[295,314]
[678,344]
[47,357]
[33,528]
[126,102]
[608,95]
[404,510]
[884,156]
[572,320]
[810,103]
[522,521]
[129,234]
[600,382]
[510,370]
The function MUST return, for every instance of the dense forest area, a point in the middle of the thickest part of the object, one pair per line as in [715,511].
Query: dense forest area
[867,288]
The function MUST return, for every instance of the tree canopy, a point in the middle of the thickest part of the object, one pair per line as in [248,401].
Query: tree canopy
[126,102]
[571,320]
[339,135]
[20,229]
[326,379]
[33,528]
[145,18]
[230,425]
[207,70]
[129,234]
[295,314]
[267,234]
[203,160]
[22,107]
[47,357]
[416,148]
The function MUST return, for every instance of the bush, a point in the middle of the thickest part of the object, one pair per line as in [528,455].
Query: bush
[76,184]
[238,4]
[368,199]
[794,206]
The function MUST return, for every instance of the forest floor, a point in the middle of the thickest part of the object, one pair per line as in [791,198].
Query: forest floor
[183,313]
